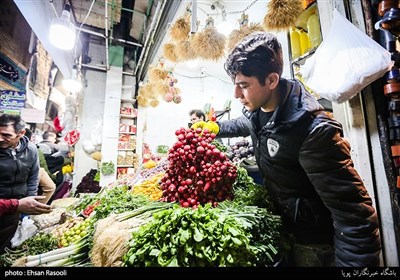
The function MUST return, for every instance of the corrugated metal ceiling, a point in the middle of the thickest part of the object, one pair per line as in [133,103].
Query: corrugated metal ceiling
[138,12]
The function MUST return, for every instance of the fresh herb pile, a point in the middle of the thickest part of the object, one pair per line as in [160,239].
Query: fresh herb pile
[115,200]
[205,236]
[247,192]
[39,243]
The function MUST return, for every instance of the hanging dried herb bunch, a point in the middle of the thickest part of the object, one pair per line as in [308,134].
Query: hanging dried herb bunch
[142,101]
[180,29]
[245,29]
[160,88]
[169,52]
[282,14]
[184,49]
[154,102]
[146,90]
[238,35]
[157,74]
[209,44]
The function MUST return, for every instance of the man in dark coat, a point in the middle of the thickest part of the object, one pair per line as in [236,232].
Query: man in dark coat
[50,139]
[305,162]
[19,171]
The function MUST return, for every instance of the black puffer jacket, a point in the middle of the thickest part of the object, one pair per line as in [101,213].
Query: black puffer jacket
[19,172]
[307,168]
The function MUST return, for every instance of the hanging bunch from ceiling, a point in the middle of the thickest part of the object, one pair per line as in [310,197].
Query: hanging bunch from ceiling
[245,29]
[184,43]
[146,95]
[181,28]
[158,79]
[170,53]
[209,44]
[160,86]
[179,48]
[184,49]
[282,14]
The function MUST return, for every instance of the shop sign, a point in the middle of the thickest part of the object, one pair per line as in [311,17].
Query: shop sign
[31,115]
[10,112]
[12,74]
[8,71]
[10,99]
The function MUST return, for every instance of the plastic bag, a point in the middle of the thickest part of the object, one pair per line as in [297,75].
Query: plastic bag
[25,230]
[346,61]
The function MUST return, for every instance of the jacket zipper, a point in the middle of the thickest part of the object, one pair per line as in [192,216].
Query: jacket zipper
[14,153]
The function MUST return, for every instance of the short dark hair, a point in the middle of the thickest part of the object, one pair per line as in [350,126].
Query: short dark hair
[198,113]
[15,120]
[28,133]
[258,54]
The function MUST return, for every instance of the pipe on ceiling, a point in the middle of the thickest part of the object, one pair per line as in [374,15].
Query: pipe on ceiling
[104,36]
[193,17]
[167,16]
[149,38]
[98,34]
[94,67]
[106,30]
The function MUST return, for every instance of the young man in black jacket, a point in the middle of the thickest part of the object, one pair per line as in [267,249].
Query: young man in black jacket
[305,162]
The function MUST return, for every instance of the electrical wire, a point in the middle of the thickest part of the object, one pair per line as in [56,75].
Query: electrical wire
[229,13]
[82,23]
[200,77]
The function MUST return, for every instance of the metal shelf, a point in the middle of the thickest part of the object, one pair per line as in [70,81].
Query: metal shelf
[301,59]
[124,100]
[128,116]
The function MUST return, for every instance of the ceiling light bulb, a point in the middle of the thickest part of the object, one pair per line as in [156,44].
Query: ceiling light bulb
[62,31]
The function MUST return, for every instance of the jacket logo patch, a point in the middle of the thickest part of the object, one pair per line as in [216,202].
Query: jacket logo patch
[273,147]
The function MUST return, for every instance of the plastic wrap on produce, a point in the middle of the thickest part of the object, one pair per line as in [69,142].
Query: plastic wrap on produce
[44,221]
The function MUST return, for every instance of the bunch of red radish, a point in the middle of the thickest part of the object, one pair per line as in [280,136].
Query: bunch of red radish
[198,172]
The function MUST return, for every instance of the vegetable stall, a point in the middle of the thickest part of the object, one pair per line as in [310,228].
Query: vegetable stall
[194,208]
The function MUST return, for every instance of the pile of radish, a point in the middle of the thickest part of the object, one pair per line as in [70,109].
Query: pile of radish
[198,172]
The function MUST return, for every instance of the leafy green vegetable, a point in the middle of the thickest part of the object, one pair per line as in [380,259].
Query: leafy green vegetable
[39,243]
[247,192]
[205,236]
[107,168]
[97,177]
[219,146]
[118,200]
